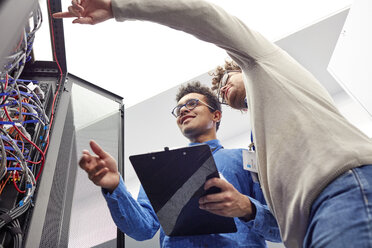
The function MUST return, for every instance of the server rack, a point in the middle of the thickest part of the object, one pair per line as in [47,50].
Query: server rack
[46,222]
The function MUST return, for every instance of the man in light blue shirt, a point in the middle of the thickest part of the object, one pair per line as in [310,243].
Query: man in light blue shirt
[198,114]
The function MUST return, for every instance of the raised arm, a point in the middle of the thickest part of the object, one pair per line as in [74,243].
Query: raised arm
[202,19]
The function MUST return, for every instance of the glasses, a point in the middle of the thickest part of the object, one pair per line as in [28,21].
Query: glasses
[222,83]
[190,105]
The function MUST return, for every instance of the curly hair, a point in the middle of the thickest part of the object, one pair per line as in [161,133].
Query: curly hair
[197,87]
[219,72]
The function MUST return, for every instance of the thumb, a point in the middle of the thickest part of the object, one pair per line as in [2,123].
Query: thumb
[84,20]
[216,182]
[98,150]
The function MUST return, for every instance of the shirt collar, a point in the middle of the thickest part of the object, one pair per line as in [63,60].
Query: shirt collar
[213,144]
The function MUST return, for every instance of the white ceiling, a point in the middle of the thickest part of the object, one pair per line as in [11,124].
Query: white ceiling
[138,60]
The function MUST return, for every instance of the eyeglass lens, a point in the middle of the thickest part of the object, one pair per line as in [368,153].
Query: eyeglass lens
[190,105]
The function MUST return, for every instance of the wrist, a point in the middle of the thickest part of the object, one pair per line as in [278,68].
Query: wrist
[109,9]
[250,212]
[114,184]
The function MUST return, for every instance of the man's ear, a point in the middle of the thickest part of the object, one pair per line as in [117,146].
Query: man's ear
[217,115]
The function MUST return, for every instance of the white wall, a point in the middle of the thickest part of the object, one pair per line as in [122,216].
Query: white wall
[351,60]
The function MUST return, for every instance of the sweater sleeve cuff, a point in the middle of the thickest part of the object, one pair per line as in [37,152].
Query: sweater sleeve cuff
[118,10]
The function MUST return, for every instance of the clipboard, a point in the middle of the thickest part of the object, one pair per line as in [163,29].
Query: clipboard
[173,180]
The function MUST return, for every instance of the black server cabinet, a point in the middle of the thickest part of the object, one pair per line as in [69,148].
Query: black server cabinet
[46,222]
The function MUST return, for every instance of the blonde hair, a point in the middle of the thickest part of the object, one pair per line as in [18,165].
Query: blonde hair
[219,72]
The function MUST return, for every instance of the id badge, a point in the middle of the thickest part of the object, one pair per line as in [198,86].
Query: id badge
[250,163]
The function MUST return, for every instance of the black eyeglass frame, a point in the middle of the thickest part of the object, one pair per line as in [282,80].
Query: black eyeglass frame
[179,107]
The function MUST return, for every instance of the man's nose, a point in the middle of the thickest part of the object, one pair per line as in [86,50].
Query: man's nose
[223,89]
[183,110]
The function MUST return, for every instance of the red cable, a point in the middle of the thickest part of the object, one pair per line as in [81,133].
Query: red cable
[15,184]
[32,162]
[19,131]
[6,84]
[59,86]
[42,161]
[24,136]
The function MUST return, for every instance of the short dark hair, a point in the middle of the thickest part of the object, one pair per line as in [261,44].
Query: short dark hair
[197,87]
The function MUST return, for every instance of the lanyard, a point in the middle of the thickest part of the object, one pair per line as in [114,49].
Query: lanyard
[251,145]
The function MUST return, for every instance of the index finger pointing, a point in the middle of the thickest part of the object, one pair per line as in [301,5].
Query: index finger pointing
[59,15]
[98,150]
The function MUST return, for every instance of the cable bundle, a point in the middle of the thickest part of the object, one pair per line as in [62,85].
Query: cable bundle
[24,130]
